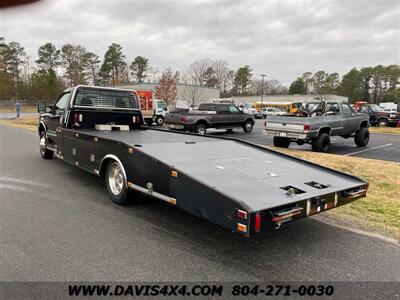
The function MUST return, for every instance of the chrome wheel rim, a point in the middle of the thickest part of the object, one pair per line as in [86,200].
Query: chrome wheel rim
[42,143]
[201,131]
[159,121]
[116,179]
[248,126]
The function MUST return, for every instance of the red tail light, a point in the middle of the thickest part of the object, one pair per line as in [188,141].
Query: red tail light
[149,103]
[242,214]
[76,118]
[136,119]
[182,119]
[257,223]
[306,127]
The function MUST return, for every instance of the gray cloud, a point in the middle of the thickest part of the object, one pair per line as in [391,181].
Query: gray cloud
[280,38]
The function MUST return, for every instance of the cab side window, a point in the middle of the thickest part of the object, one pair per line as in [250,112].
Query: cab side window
[233,109]
[222,109]
[61,103]
[346,109]
[334,107]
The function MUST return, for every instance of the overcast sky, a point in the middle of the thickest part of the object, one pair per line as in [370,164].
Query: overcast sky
[282,38]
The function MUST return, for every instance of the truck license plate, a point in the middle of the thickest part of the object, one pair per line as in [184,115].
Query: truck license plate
[282,134]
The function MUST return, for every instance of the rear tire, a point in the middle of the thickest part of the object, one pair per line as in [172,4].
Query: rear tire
[44,152]
[248,126]
[115,178]
[281,142]
[382,123]
[361,137]
[321,143]
[201,129]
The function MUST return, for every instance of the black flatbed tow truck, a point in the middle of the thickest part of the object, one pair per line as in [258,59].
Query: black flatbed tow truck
[238,185]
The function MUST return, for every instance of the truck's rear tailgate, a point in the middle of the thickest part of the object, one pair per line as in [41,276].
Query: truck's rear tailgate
[243,172]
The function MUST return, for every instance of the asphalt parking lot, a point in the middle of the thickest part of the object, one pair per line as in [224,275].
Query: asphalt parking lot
[57,223]
[381,146]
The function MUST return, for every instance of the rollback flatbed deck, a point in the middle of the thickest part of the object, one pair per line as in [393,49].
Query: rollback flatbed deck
[241,186]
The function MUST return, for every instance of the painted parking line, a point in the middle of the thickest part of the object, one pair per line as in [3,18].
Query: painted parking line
[373,148]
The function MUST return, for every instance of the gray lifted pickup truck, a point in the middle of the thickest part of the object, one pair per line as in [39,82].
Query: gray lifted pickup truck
[210,115]
[339,119]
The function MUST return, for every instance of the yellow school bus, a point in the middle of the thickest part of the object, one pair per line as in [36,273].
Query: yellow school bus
[289,106]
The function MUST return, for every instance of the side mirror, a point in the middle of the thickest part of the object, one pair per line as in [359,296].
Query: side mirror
[42,107]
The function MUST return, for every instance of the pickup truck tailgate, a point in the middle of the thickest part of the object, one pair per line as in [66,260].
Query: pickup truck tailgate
[284,127]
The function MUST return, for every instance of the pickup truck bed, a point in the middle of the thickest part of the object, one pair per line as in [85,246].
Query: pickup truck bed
[244,172]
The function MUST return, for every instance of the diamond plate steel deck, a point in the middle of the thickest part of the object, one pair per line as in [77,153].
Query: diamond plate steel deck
[245,173]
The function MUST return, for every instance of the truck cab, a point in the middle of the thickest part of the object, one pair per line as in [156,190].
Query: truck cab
[83,107]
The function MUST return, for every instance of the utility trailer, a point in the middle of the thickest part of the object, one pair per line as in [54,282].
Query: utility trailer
[238,185]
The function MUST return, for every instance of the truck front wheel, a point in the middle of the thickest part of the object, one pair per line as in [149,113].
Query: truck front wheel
[248,126]
[44,152]
[361,138]
[159,120]
[321,143]
[116,183]
[281,142]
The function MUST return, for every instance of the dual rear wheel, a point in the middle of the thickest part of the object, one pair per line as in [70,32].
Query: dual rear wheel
[116,183]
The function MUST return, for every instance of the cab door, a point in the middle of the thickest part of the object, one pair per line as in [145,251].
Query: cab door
[236,116]
[349,122]
[54,120]
[222,119]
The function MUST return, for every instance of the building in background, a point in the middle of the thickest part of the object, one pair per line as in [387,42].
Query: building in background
[285,98]
[187,94]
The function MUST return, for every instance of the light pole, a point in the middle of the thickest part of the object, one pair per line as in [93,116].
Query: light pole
[262,90]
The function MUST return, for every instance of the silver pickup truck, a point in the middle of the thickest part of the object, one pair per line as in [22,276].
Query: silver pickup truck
[339,120]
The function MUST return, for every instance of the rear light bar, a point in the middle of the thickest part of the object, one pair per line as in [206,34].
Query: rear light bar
[257,223]
[182,119]
[307,127]
[286,214]
[361,192]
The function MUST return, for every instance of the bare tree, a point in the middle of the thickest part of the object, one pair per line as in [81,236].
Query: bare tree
[93,62]
[193,94]
[198,69]
[153,74]
[271,87]
[223,75]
